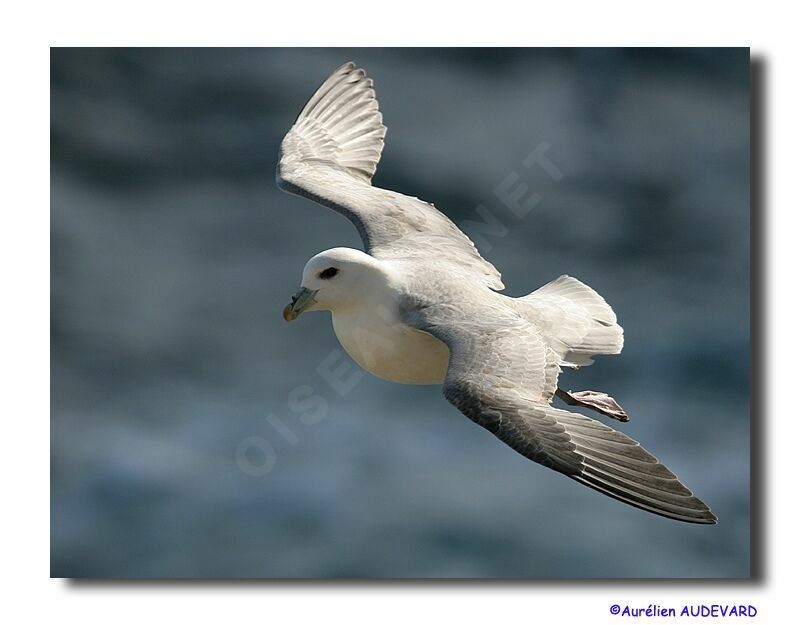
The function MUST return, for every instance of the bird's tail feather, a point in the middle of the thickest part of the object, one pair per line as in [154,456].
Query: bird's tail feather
[578,320]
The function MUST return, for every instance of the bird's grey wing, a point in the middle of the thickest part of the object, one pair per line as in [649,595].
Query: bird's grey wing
[330,155]
[501,377]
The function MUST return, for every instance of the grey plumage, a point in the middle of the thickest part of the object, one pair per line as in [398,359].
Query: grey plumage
[505,354]
[329,156]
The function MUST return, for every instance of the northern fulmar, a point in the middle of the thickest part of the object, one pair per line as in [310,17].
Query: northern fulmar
[421,306]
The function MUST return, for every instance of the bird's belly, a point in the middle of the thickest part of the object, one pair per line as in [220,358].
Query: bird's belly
[392,351]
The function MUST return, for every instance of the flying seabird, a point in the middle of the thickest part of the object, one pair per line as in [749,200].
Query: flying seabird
[421,306]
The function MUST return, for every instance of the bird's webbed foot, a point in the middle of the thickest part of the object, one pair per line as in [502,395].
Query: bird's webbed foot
[595,400]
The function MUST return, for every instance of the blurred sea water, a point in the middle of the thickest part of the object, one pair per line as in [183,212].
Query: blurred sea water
[173,254]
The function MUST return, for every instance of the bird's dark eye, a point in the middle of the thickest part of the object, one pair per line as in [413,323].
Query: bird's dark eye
[328,273]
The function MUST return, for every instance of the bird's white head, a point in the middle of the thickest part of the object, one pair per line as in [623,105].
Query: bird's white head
[335,280]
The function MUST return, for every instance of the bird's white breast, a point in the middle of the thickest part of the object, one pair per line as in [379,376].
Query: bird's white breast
[390,349]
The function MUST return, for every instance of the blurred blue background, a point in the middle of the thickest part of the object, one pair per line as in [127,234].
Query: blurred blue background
[173,254]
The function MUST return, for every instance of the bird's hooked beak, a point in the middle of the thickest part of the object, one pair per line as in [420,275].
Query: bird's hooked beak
[300,301]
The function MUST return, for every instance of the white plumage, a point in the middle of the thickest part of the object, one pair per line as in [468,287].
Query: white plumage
[421,306]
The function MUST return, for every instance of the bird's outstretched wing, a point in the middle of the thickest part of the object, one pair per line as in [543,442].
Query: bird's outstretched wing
[330,155]
[503,376]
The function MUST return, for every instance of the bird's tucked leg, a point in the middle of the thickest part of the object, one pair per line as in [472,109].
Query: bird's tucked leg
[597,401]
